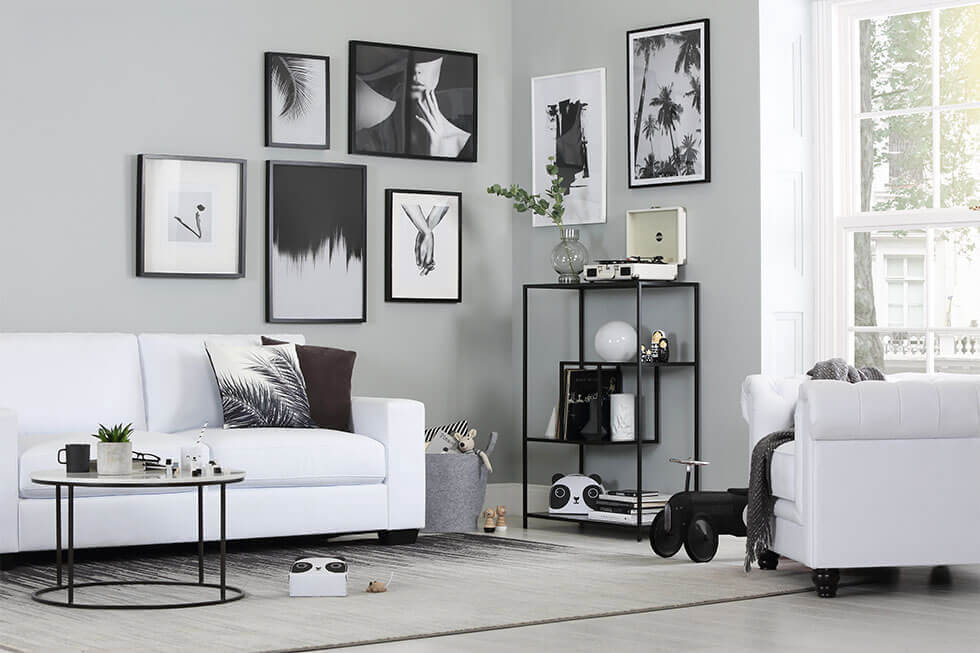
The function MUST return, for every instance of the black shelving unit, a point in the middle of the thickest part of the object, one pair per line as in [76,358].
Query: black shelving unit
[639,369]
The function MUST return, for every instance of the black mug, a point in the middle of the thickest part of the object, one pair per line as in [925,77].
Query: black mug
[76,458]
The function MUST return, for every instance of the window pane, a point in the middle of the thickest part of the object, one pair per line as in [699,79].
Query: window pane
[957,277]
[959,55]
[916,268]
[960,150]
[875,255]
[898,351]
[958,353]
[896,67]
[916,318]
[896,162]
[896,267]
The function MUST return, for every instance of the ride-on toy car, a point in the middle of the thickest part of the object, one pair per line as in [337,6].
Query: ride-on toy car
[695,519]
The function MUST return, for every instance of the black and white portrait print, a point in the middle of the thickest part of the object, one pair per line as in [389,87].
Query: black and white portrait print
[569,124]
[668,104]
[190,218]
[412,102]
[423,243]
[317,242]
[297,100]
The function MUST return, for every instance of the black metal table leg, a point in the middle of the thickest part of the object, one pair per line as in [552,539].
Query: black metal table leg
[57,529]
[71,544]
[222,545]
[200,534]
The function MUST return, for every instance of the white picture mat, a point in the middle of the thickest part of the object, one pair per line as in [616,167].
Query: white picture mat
[311,127]
[222,179]
[586,202]
[443,281]
[660,73]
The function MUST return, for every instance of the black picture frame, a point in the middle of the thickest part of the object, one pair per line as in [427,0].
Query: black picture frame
[358,194]
[352,109]
[141,183]
[267,82]
[705,76]
[389,216]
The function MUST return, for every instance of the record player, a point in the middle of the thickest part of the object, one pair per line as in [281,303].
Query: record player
[656,244]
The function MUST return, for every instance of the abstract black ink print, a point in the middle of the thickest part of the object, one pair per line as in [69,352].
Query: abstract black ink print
[190,217]
[318,240]
[668,97]
[425,240]
[412,102]
[571,145]
[568,124]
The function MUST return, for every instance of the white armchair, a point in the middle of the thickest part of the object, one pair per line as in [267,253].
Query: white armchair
[879,475]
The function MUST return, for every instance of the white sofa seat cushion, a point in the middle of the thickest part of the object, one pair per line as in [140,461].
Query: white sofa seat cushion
[39,452]
[783,471]
[276,457]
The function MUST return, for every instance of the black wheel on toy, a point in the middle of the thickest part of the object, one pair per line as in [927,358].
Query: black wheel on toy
[664,544]
[701,542]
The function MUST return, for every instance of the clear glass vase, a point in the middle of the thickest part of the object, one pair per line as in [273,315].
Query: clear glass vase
[569,256]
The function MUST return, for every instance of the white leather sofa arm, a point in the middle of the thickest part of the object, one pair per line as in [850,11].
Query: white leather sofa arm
[9,461]
[891,411]
[768,403]
[399,424]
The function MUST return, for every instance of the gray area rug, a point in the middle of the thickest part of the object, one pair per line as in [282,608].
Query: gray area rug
[442,585]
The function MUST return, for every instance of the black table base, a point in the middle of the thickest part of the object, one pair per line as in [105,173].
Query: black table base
[227,593]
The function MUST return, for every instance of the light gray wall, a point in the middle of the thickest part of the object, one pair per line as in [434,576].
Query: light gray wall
[552,36]
[88,85]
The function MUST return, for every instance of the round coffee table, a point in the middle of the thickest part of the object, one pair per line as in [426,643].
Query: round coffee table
[149,479]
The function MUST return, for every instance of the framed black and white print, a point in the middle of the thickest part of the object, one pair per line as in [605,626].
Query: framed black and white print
[568,122]
[668,95]
[412,102]
[317,242]
[297,100]
[190,216]
[423,246]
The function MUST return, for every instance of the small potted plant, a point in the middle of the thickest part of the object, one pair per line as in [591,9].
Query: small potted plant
[115,450]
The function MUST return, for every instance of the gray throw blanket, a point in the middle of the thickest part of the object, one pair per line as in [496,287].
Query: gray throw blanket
[758,523]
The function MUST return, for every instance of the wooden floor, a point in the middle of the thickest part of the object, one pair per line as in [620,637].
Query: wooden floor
[915,610]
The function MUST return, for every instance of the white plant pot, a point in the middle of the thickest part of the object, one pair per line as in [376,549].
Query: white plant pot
[114,458]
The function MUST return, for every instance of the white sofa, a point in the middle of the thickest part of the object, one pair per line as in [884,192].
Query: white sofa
[879,475]
[57,388]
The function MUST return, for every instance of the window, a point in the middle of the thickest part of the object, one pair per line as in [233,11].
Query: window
[904,227]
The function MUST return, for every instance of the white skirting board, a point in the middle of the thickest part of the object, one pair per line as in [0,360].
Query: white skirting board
[509,494]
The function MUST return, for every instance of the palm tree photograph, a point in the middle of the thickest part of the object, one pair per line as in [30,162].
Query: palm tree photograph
[668,103]
[297,100]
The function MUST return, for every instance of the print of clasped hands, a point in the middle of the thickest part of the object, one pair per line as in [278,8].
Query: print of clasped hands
[425,240]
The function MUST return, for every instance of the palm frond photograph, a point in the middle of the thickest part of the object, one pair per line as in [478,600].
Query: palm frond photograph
[297,106]
[668,99]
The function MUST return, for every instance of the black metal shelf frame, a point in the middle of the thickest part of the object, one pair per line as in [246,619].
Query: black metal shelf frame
[637,287]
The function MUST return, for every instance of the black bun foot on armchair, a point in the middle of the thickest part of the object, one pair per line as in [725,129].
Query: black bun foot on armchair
[8,561]
[826,581]
[406,536]
[768,560]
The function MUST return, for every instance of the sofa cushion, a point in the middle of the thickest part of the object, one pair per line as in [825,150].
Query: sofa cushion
[273,457]
[60,382]
[39,452]
[783,471]
[180,389]
[260,386]
[327,372]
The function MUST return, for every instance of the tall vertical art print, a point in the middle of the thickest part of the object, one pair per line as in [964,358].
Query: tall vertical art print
[568,123]
[317,242]
[668,99]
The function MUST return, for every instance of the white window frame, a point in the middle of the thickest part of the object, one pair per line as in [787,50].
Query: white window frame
[837,162]
[905,279]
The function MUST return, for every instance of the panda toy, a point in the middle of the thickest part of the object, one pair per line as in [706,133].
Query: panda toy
[318,577]
[574,494]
